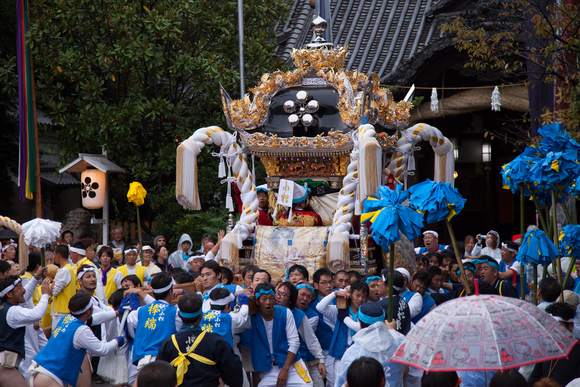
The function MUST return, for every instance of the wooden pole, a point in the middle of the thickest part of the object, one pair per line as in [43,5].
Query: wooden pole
[459,263]
[37,193]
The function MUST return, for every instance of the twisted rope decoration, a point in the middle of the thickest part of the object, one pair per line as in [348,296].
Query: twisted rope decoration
[403,161]
[11,224]
[240,171]
[345,205]
[17,228]
[338,252]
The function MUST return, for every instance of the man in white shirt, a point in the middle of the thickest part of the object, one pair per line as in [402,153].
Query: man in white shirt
[102,314]
[60,362]
[13,320]
[211,278]
[275,343]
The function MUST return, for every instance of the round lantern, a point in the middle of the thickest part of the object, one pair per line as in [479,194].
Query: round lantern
[93,188]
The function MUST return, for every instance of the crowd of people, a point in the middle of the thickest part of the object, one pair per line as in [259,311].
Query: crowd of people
[248,329]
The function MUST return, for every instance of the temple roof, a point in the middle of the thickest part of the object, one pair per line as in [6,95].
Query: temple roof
[387,37]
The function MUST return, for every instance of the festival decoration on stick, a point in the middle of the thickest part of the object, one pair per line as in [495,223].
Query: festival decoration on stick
[389,217]
[570,246]
[41,232]
[439,201]
[536,249]
[137,195]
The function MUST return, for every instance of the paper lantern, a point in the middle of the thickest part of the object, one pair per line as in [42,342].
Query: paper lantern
[93,188]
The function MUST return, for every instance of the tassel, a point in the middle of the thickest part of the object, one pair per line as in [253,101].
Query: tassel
[240,241]
[357,209]
[229,201]
[495,100]
[253,171]
[434,101]
[222,168]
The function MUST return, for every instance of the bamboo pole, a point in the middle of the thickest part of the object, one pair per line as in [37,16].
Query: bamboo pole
[556,242]
[522,229]
[459,263]
[567,213]
[568,272]
[140,234]
[391,279]
[535,291]
[538,210]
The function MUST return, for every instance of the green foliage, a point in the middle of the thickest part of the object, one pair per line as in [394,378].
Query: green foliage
[496,40]
[9,128]
[174,222]
[137,77]
[417,101]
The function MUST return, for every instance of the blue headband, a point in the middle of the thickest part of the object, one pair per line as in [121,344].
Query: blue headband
[370,320]
[371,279]
[458,272]
[293,270]
[263,292]
[190,315]
[302,286]
[490,263]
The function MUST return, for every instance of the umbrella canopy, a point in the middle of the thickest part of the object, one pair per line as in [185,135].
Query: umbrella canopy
[40,232]
[484,333]
[388,216]
[570,241]
[436,199]
[537,248]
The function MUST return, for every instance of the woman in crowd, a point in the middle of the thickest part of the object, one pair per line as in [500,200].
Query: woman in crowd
[148,260]
[492,247]
[160,259]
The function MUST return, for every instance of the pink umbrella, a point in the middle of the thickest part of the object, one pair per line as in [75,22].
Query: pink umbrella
[484,333]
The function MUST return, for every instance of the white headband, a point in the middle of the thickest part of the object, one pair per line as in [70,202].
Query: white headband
[191,259]
[558,318]
[128,251]
[84,309]
[162,290]
[431,232]
[508,248]
[82,252]
[11,244]
[223,301]
[404,271]
[81,273]
[10,287]
[147,248]
[394,287]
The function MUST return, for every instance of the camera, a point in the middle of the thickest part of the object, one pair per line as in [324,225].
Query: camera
[482,237]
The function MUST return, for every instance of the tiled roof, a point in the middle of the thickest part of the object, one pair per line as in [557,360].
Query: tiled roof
[382,35]
[59,179]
